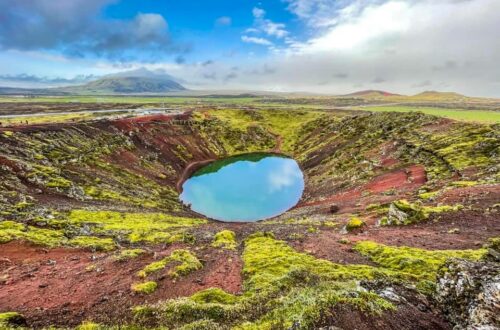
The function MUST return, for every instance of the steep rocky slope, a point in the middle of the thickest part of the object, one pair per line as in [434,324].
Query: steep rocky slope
[390,197]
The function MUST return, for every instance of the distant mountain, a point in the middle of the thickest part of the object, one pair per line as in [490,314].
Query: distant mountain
[140,81]
[441,96]
[370,93]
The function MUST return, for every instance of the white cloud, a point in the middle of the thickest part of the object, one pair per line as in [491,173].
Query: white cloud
[255,40]
[258,12]
[267,26]
[283,177]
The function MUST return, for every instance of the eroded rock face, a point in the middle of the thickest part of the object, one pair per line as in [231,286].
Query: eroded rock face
[469,294]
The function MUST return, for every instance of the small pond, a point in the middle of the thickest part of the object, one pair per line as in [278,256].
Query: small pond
[244,188]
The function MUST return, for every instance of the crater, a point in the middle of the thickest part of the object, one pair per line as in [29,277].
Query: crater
[244,188]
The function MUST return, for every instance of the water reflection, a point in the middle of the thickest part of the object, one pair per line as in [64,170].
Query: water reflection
[245,188]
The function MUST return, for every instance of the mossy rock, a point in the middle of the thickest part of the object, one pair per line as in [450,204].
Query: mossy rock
[12,319]
[354,223]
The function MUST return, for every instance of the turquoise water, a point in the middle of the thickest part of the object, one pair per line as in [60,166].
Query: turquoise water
[244,188]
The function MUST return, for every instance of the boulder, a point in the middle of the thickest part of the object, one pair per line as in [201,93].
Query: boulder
[469,293]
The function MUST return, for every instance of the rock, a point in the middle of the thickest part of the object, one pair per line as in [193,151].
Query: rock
[334,208]
[469,293]
[395,217]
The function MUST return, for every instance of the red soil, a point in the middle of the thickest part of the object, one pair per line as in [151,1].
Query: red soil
[400,180]
[73,285]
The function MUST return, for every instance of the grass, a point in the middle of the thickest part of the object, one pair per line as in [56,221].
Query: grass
[45,119]
[482,116]
[129,99]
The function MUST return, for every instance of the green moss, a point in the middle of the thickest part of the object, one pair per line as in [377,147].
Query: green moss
[146,287]
[10,319]
[93,243]
[202,325]
[429,195]
[129,254]
[283,288]
[10,230]
[185,261]
[266,260]
[421,263]
[225,239]
[135,227]
[8,133]
[58,182]
[462,184]
[354,223]
[87,325]
[413,212]
[214,295]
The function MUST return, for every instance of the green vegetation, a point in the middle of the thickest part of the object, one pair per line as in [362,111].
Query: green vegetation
[90,326]
[214,295]
[93,243]
[146,287]
[106,227]
[127,254]
[458,114]
[10,319]
[421,263]
[282,288]
[135,227]
[185,261]
[225,239]
[354,223]
[402,212]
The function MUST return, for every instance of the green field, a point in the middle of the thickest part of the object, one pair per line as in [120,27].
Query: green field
[482,116]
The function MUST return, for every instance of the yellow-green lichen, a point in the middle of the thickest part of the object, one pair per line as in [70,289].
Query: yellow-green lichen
[225,239]
[185,263]
[135,227]
[418,262]
[129,254]
[354,223]
[145,288]
[10,319]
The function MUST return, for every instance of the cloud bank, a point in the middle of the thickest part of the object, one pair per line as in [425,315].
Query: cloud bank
[75,28]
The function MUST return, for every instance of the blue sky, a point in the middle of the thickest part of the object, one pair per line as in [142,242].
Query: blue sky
[319,46]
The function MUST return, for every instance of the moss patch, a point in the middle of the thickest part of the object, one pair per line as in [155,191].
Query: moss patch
[145,288]
[127,254]
[421,263]
[354,223]
[135,227]
[185,261]
[283,288]
[225,239]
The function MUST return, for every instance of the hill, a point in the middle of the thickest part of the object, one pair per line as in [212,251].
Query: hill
[139,81]
[370,94]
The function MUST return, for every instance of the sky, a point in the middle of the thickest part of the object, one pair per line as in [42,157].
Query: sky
[318,46]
